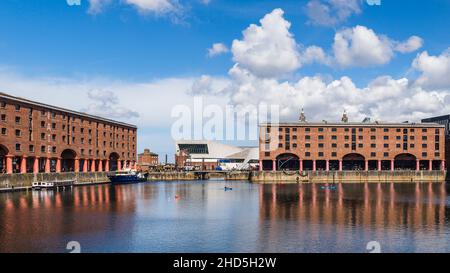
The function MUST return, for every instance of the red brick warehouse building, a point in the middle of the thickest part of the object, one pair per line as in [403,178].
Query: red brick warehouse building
[37,137]
[365,146]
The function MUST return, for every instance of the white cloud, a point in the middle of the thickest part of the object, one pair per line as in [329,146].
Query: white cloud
[217,49]
[106,103]
[331,12]
[267,50]
[155,6]
[384,98]
[361,47]
[208,85]
[96,6]
[435,70]
[314,54]
[411,45]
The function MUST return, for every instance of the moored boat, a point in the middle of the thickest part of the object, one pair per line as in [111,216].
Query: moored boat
[127,176]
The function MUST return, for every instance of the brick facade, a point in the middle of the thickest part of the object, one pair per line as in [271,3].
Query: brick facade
[350,146]
[36,137]
[147,160]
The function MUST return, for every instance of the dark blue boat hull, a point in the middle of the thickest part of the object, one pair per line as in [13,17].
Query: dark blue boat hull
[125,179]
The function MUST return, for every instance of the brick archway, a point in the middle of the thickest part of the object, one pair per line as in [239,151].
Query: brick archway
[113,161]
[68,157]
[405,162]
[354,162]
[3,152]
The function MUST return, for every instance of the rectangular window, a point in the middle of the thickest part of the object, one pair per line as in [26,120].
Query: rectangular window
[31,148]
[386,130]
[373,145]
[3,105]
[42,149]
[424,145]
[320,154]
[4,131]
[17,120]
[321,137]
[17,107]
[333,154]
[307,154]
[386,154]
[321,145]
[373,154]
[18,133]
[424,154]
[18,147]
[308,145]
[334,145]
[334,137]
[3,117]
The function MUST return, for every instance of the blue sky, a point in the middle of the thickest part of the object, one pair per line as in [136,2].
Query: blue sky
[53,48]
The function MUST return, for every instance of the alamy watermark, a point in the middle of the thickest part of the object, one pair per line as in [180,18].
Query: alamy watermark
[73,2]
[214,122]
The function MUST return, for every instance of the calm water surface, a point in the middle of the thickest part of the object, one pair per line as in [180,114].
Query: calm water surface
[250,218]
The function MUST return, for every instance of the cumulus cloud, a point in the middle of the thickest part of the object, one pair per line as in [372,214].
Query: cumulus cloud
[361,46]
[106,103]
[315,54]
[217,49]
[97,6]
[435,70]
[331,12]
[267,50]
[155,6]
[411,45]
[384,98]
[208,85]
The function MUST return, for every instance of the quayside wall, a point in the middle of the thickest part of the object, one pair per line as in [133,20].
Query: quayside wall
[348,176]
[18,181]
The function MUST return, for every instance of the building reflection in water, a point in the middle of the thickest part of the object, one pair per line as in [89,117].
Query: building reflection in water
[345,219]
[27,218]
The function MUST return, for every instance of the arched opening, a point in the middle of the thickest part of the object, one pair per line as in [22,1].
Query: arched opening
[353,162]
[267,165]
[334,165]
[288,162]
[436,165]
[68,160]
[308,165]
[424,165]
[3,153]
[373,165]
[113,158]
[321,165]
[405,162]
[385,165]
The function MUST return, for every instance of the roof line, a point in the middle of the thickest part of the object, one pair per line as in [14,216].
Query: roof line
[57,108]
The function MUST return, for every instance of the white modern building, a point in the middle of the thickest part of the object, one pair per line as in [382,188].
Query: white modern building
[209,155]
